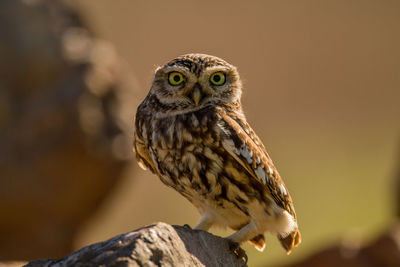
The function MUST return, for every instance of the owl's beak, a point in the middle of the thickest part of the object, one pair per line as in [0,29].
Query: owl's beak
[196,94]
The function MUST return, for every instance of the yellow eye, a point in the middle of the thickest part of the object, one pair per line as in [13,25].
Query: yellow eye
[175,78]
[217,78]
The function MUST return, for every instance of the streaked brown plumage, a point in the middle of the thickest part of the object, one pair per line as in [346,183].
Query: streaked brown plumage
[190,131]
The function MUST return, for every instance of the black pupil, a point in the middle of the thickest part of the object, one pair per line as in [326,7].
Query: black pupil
[177,78]
[217,78]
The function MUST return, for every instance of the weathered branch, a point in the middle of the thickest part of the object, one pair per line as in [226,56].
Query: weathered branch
[156,245]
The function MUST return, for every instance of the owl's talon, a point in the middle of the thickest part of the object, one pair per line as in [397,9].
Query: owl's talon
[187,226]
[239,252]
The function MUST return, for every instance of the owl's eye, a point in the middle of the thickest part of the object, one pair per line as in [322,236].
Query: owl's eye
[217,78]
[175,78]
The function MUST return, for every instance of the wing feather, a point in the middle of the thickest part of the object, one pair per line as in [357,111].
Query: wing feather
[241,142]
[140,147]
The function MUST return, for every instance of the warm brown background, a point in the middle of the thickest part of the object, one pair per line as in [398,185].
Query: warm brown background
[322,89]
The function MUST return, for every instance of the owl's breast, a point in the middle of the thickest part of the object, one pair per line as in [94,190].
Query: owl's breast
[187,151]
[189,156]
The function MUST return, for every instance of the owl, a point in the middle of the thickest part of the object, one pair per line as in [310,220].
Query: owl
[191,132]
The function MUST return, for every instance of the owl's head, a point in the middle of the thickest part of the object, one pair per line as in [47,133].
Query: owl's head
[193,81]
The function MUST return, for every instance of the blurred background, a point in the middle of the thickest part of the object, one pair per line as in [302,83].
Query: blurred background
[321,89]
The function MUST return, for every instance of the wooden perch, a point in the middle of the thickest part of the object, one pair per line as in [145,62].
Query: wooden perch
[156,245]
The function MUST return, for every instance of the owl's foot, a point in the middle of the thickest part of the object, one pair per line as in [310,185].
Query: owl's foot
[187,226]
[239,252]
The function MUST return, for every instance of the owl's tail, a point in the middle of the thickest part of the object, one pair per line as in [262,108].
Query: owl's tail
[258,242]
[290,241]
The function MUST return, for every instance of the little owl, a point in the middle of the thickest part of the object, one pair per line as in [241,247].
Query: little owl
[191,132]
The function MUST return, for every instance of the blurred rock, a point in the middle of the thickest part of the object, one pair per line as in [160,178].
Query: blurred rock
[66,106]
[384,251]
[155,245]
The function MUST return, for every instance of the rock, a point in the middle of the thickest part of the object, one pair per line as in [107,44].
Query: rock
[155,245]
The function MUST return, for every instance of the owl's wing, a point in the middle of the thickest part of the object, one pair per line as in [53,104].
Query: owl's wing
[140,148]
[243,144]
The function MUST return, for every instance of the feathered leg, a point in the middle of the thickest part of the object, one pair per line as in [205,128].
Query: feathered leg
[204,223]
[245,233]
